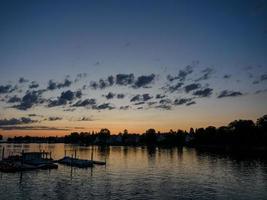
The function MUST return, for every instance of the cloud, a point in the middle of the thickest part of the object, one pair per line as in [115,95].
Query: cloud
[64,98]
[191,87]
[173,88]
[85,119]
[104,106]
[190,103]
[160,96]
[23,80]
[206,73]
[182,74]
[16,121]
[182,101]
[14,99]
[143,97]
[164,107]
[111,80]
[227,76]
[120,96]
[80,76]
[260,91]
[54,118]
[227,93]
[124,79]
[165,104]
[143,81]
[33,84]
[125,107]
[54,85]
[34,128]
[29,100]
[263,77]
[110,95]
[255,82]
[6,89]
[139,103]
[151,103]
[93,85]
[102,84]
[203,93]
[165,101]
[84,103]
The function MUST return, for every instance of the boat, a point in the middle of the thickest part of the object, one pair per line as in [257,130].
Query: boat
[75,162]
[27,161]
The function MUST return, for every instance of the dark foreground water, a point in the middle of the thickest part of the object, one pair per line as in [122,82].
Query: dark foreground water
[138,173]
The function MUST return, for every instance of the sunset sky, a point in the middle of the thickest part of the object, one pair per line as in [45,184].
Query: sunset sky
[85,65]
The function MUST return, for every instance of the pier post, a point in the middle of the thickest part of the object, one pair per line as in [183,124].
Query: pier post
[22,157]
[92,153]
[3,153]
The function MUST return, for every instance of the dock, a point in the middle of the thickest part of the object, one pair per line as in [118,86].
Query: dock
[27,161]
[81,163]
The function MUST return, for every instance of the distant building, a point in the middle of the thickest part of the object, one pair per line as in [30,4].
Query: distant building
[115,139]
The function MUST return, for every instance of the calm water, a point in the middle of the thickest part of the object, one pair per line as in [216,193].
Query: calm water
[138,173]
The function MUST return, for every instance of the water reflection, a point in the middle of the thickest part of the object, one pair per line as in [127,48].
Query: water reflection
[138,173]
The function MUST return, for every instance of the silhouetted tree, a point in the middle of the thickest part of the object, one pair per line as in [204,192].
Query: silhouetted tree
[103,135]
[262,123]
[150,136]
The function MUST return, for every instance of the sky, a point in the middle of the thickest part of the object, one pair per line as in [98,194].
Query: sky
[85,65]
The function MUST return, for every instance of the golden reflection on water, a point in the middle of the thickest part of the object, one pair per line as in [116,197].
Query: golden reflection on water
[141,172]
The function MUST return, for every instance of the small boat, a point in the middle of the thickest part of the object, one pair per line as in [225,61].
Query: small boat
[96,162]
[27,161]
[75,162]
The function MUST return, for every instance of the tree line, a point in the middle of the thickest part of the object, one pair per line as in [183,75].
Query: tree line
[237,134]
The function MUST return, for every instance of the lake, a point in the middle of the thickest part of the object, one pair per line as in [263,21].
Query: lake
[138,173]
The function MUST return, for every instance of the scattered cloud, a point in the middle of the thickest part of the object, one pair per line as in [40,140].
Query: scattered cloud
[227,76]
[182,101]
[124,79]
[103,106]
[52,85]
[16,121]
[203,93]
[84,103]
[125,107]
[191,87]
[173,88]
[6,89]
[23,80]
[54,118]
[48,128]
[33,85]
[160,96]
[143,97]
[182,74]
[65,97]
[190,103]
[227,93]
[143,81]
[14,99]
[85,119]
[120,96]
[30,99]
[263,77]
[206,74]
[110,95]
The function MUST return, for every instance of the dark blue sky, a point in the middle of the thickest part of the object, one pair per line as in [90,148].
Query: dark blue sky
[43,40]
